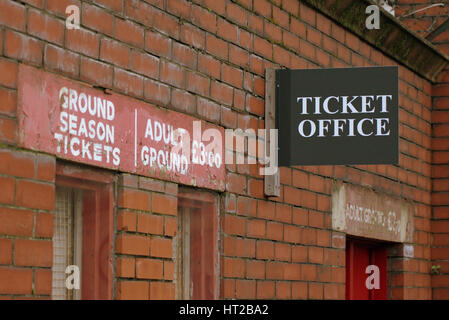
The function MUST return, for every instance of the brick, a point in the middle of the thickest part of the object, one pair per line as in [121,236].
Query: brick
[134,199]
[43,281]
[61,60]
[308,272]
[238,56]
[158,44]
[184,55]
[292,196]
[46,167]
[228,118]
[133,290]
[245,289]
[281,17]
[245,40]
[164,204]
[255,188]
[292,271]
[7,195]
[8,130]
[232,75]
[16,281]
[255,23]
[45,27]
[256,64]
[228,288]
[150,224]
[274,271]
[215,5]
[17,163]
[256,228]
[209,65]
[172,74]
[114,5]
[126,267]
[255,269]
[265,289]
[204,19]
[44,225]
[217,47]
[283,290]
[192,35]
[83,41]
[149,268]
[162,291]
[126,221]
[275,231]
[12,14]
[129,32]
[299,290]
[133,244]
[255,105]
[245,248]
[197,83]
[5,251]
[292,234]
[180,8]
[114,52]
[161,248]
[272,32]
[145,64]
[33,253]
[156,92]
[265,250]
[170,226]
[151,184]
[263,7]
[96,72]
[281,56]
[58,7]
[169,270]
[183,101]
[128,180]
[265,209]
[166,24]
[263,47]
[139,11]
[236,13]
[129,83]
[21,47]
[234,225]
[299,254]
[315,291]
[208,110]
[236,183]
[97,19]
[282,252]
[35,195]
[227,30]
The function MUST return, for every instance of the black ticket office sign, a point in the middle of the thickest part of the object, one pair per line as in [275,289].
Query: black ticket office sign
[337,116]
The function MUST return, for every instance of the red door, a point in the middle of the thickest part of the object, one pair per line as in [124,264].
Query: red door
[360,255]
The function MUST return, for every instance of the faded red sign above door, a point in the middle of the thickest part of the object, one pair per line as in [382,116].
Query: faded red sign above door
[87,125]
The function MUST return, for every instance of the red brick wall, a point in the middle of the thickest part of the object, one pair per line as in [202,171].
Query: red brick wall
[26,223]
[440,183]
[208,58]
[146,225]
[425,21]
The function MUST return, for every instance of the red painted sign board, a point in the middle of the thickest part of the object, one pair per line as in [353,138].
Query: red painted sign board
[83,124]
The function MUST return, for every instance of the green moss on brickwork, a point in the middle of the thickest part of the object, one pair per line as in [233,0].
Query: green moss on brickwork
[391,38]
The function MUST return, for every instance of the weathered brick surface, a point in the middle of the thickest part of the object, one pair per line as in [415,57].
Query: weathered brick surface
[208,59]
[145,238]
